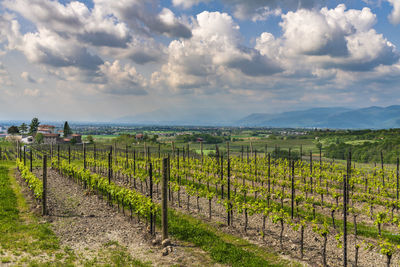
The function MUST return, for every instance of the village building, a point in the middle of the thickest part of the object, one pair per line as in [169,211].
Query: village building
[77,138]
[27,139]
[51,138]
[46,129]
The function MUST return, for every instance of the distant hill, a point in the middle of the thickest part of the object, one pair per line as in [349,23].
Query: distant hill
[341,118]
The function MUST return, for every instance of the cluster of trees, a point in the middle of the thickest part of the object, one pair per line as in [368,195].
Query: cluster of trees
[207,138]
[33,128]
[129,138]
[23,128]
[367,151]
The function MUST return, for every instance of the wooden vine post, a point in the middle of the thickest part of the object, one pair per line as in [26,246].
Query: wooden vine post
[1,156]
[397,183]
[293,191]
[301,153]
[152,217]
[383,174]
[58,157]
[202,154]
[24,155]
[269,174]
[320,165]
[126,157]
[230,212]
[51,154]
[94,155]
[109,173]
[84,156]
[222,176]
[346,179]
[164,204]
[44,195]
[345,220]
[311,172]
[109,166]
[31,159]
[69,154]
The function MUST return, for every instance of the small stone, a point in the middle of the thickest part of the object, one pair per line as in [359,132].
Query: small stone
[169,248]
[293,247]
[166,242]
[155,242]
[165,251]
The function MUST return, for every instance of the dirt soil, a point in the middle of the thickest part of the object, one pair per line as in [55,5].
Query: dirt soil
[86,224]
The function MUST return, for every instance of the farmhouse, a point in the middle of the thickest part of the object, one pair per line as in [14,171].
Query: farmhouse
[51,138]
[46,129]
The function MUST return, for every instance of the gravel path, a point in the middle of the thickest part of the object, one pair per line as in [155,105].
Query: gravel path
[86,223]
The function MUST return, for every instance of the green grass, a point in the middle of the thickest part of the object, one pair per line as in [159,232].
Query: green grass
[223,248]
[25,234]
[359,142]
[24,240]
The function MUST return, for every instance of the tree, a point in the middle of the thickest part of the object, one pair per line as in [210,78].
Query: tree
[23,128]
[73,141]
[13,130]
[90,139]
[39,138]
[33,127]
[67,129]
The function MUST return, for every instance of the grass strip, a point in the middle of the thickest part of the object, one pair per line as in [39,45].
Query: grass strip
[223,248]
[15,233]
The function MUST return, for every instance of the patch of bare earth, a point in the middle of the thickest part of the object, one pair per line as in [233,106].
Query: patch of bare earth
[86,224]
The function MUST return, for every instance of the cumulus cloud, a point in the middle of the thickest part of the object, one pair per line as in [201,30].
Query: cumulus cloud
[114,78]
[73,20]
[27,77]
[47,48]
[31,92]
[336,38]
[214,50]
[5,78]
[394,17]
[141,16]
[257,9]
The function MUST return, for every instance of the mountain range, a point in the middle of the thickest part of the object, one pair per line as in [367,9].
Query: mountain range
[332,117]
[338,118]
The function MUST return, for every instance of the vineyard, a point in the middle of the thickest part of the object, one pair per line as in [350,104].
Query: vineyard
[317,212]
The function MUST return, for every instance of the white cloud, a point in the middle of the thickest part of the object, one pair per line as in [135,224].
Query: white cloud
[141,16]
[73,20]
[394,17]
[140,50]
[188,3]
[113,78]
[31,92]
[257,9]
[27,77]
[336,38]
[5,78]
[212,55]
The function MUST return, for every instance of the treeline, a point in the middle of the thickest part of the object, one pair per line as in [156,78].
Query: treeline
[206,138]
[366,152]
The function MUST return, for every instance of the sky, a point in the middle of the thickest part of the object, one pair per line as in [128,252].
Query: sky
[210,60]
